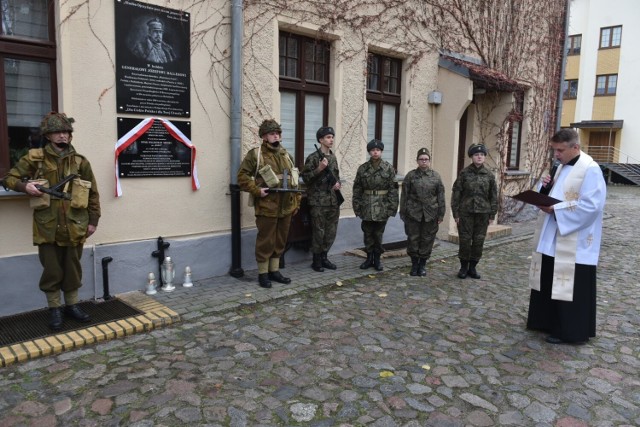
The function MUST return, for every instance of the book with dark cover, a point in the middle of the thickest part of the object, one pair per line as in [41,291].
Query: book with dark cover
[534,198]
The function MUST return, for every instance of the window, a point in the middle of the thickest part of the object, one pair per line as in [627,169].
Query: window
[606,84]
[383,99]
[570,89]
[573,44]
[610,37]
[304,92]
[27,75]
[515,132]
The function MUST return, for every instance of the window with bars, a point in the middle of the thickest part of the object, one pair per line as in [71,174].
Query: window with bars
[304,92]
[27,75]
[606,84]
[610,37]
[570,89]
[383,101]
[573,44]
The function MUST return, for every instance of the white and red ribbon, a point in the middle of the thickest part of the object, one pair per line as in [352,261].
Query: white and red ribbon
[139,130]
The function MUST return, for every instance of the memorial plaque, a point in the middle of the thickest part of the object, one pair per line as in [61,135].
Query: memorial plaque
[154,151]
[152,60]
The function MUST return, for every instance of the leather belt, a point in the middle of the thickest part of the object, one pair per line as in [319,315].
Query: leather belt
[376,192]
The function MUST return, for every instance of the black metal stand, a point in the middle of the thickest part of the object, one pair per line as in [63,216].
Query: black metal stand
[105,277]
[159,253]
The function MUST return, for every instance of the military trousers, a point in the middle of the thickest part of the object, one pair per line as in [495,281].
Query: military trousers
[62,271]
[324,224]
[472,229]
[373,232]
[420,237]
[272,236]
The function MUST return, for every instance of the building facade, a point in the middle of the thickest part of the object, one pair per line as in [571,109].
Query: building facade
[600,85]
[304,64]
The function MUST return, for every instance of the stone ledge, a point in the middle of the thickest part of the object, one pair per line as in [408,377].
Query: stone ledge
[495,231]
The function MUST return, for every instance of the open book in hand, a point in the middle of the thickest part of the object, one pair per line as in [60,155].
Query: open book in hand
[534,198]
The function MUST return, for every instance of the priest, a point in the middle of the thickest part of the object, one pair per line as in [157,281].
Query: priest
[562,275]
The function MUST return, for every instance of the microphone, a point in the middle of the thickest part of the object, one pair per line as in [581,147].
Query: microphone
[546,189]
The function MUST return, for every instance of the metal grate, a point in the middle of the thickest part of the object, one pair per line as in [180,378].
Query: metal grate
[34,324]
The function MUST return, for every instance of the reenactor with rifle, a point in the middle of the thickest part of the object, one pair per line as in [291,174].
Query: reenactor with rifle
[322,178]
[268,174]
[66,210]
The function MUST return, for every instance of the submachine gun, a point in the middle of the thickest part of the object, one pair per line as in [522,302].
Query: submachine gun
[329,177]
[56,190]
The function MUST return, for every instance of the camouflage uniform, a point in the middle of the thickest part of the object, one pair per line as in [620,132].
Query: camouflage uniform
[59,230]
[325,210]
[273,212]
[375,199]
[422,208]
[474,201]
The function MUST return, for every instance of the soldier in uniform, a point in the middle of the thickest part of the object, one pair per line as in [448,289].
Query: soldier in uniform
[474,203]
[422,208]
[322,178]
[261,169]
[153,48]
[60,226]
[375,199]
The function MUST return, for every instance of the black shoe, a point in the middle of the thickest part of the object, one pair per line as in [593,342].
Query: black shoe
[317,263]
[55,318]
[326,263]
[368,262]
[555,340]
[422,271]
[75,312]
[376,262]
[414,266]
[278,277]
[464,268]
[472,270]
[263,280]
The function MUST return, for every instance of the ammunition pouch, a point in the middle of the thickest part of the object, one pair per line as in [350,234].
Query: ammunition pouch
[80,193]
[269,176]
[295,177]
[42,202]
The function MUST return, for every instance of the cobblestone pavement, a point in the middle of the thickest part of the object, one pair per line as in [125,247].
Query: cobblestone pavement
[372,350]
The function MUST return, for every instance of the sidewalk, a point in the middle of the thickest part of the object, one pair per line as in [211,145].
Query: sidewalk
[223,293]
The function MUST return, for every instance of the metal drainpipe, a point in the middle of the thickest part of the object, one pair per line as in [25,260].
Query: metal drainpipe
[235,137]
[563,65]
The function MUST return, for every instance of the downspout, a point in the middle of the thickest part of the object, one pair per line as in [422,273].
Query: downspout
[563,65]
[235,135]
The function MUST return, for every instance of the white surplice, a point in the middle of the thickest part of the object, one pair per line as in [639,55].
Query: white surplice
[572,234]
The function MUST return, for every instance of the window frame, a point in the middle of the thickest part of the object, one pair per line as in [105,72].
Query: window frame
[26,49]
[518,117]
[566,93]
[302,87]
[381,97]
[607,78]
[610,31]
[574,44]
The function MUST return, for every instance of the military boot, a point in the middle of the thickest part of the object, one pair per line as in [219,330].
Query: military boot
[472,270]
[464,268]
[55,318]
[74,312]
[278,277]
[368,262]
[326,263]
[422,271]
[317,263]
[414,266]
[263,280]
[376,261]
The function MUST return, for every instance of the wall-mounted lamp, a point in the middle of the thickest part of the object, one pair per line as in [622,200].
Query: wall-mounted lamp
[434,97]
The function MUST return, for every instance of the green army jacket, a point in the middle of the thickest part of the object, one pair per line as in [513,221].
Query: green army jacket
[276,205]
[422,196]
[375,193]
[319,185]
[50,165]
[475,191]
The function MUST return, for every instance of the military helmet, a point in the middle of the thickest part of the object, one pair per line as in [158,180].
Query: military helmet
[375,143]
[267,126]
[324,131]
[56,122]
[477,148]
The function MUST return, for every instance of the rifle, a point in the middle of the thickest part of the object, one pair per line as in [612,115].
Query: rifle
[55,190]
[285,185]
[329,177]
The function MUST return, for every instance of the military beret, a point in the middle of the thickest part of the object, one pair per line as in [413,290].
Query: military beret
[423,152]
[477,148]
[375,143]
[324,131]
